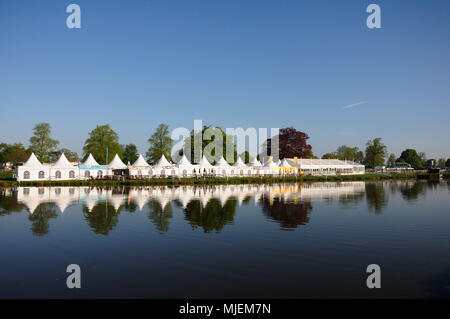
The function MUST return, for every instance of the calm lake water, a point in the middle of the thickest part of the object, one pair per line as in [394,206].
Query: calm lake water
[277,241]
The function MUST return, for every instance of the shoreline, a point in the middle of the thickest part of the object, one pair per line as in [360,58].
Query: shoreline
[221,180]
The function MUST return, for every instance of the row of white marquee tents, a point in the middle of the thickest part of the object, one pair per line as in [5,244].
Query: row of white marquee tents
[62,169]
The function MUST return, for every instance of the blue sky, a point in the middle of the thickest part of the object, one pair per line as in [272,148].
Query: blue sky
[252,63]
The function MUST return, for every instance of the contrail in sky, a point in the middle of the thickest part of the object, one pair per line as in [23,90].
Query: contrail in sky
[354,104]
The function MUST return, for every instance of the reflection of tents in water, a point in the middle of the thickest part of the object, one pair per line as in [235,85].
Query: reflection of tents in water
[63,203]
[89,204]
[116,201]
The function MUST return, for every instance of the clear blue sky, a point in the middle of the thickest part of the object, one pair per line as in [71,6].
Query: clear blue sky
[252,63]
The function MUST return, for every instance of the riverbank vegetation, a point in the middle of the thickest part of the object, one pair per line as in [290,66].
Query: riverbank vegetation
[7,180]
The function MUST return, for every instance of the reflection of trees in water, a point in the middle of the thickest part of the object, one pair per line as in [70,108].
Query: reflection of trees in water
[376,197]
[247,200]
[9,204]
[288,213]
[130,206]
[102,218]
[212,217]
[411,192]
[159,215]
[40,218]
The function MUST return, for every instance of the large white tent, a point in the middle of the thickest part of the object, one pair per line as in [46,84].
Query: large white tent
[222,167]
[90,168]
[185,168]
[63,169]
[140,167]
[116,163]
[32,169]
[90,161]
[240,169]
[205,166]
[164,168]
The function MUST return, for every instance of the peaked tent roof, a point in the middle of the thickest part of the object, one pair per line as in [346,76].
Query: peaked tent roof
[255,163]
[222,163]
[204,162]
[63,162]
[163,162]
[270,163]
[90,161]
[239,162]
[32,161]
[117,163]
[140,162]
[184,161]
[285,163]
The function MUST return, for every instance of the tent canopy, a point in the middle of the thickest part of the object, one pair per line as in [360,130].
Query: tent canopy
[90,161]
[63,162]
[140,162]
[255,163]
[32,161]
[204,162]
[163,162]
[184,161]
[117,163]
[285,163]
[239,162]
[222,163]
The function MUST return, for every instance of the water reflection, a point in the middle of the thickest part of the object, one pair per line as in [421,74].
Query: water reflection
[160,215]
[102,217]
[209,208]
[288,213]
[40,219]
[376,196]
[213,216]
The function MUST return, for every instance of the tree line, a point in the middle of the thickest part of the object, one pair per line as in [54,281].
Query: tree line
[103,143]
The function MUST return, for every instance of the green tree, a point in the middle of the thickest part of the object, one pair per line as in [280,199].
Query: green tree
[423,157]
[329,156]
[71,156]
[129,153]
[13,153]
[412,158]
[345,152]
[160,143]
[375,152]
[203,142]
[41,143]
[100,139]
[359,157]
[447,163]
[391,160]
[441,163]
[431,163]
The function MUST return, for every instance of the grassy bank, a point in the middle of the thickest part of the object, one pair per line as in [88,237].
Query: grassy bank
[9,182]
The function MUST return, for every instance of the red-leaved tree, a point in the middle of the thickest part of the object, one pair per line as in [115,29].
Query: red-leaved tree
[292,143]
